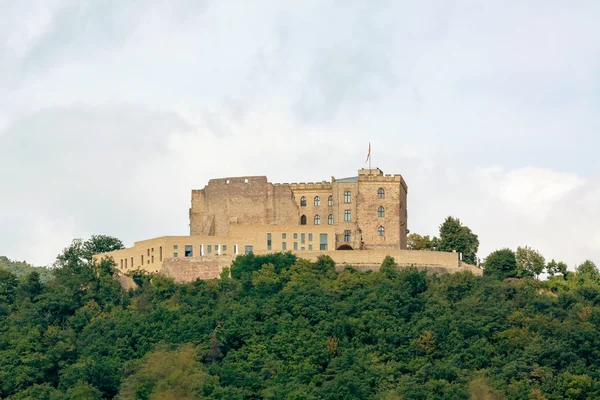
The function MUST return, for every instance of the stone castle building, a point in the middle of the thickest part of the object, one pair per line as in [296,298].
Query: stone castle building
[357,221]
[367,211]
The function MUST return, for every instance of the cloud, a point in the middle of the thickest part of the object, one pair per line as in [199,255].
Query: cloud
[110,113]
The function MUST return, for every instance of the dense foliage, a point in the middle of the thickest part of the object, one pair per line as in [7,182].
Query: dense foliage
[22,268]
[277,327]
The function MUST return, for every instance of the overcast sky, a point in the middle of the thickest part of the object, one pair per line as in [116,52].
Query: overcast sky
[111,111]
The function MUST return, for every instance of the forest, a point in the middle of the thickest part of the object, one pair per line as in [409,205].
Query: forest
[279,327]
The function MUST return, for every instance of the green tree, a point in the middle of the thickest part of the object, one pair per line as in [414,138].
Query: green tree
[454,236]
[168,374]
[418,242]
[500,264]
[530,262]
[588,268]
[554,267]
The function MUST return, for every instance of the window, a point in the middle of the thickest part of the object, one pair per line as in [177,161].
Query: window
[381,212]
[217,249]
[268,241]
[302,248]
[302,238]
[159,254]
[148,252]
[248,250]
[189,250]
[295,236]
[174,247]
[152,260]
[330,201]
[121,263]
[303,220]
[153,249]
[317,201]
[317,220]
[224,247]
[323,241]
[346,236]
[142,259]
[295,246]
[283,235]
[347,215]
[310,237]
[310,247]
[132,262]
[381,231]
[380,193]
[302,201]
[283,246]
[346,197]
[174,255]
[330,219]
[209,249]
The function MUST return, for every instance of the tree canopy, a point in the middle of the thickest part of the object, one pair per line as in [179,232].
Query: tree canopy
[277,327]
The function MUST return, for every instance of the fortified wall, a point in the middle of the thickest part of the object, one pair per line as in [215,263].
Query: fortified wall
[190,269]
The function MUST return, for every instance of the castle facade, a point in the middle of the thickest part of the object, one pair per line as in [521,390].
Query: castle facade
[357,221]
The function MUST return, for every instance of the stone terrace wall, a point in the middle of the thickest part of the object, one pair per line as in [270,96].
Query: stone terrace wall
[210,267]
[189,269]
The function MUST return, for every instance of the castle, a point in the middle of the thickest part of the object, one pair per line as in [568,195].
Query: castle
[357,221]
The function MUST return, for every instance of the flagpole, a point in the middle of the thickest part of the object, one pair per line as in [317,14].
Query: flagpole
[369,158]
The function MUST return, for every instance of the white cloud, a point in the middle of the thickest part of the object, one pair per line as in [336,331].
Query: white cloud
[110,113]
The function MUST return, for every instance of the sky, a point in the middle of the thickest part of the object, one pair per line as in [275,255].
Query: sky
[111,111]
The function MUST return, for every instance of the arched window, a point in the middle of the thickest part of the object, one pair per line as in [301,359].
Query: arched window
[380,193]
[303,220]
[330,219]
[317,201]
[302,201]
[317,220]
[381,212]
[381,231]
[330,201]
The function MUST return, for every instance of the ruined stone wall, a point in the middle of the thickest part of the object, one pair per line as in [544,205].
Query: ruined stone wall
[240,201]
[190,269]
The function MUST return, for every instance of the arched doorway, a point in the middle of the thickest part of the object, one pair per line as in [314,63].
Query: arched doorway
[345,247]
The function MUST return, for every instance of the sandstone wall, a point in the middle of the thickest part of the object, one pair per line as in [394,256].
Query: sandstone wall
[189,269]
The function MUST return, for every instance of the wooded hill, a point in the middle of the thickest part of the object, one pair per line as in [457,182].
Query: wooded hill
[283,328]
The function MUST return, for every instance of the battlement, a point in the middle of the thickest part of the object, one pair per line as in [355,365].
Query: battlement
[238,180]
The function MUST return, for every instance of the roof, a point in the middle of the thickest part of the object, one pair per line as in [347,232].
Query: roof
[348,180]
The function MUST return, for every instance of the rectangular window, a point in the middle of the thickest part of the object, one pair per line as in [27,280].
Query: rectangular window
[224,247]
[142,259]
[310,237]
[347,215]
[131,262]
[323,241]
[302,238]
[209,249]
[283,235]
[159,253]
[248,250]
[152,260]
[295,236]
[189,250]
[174,247]
[148,254]
[346,236]
[283,246]
[217,248]
[268,241]
[310,247]
[346,197]
[295,246]
[174,255]
[153,249]
[302,248]
[121,263]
